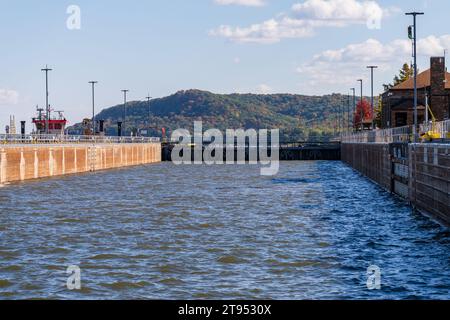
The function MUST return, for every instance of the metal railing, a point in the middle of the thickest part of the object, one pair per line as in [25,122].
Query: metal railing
[401,134]
[69,139]
[393,135]
[441,128]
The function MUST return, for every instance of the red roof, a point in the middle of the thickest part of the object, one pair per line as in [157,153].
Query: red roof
[423,81]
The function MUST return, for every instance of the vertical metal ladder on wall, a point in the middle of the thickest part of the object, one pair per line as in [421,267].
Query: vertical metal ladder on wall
[400,179]
[92,158]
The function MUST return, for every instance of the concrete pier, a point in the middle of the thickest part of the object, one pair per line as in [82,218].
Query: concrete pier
[20,163]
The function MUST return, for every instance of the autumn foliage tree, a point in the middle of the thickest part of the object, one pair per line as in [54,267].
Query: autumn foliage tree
[362,108]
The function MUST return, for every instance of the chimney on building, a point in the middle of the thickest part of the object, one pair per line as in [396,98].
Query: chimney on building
[438,97]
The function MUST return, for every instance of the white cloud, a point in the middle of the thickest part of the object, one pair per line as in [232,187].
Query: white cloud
[338,10]
[342,66]
[237,60]
[304,18]
[247,3]
[270,31]
[373,50]
[434,46]
[8,97]
[264,89]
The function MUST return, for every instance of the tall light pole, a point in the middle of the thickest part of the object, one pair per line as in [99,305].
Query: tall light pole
[339,116]
[348,113]
[342,114]
[354,101]
[371,107]
[125,108]
[47,106]
[93,83]
[362,109]
[148,105]
[414,38]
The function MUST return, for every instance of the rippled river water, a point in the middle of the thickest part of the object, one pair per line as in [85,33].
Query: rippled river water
[220,232]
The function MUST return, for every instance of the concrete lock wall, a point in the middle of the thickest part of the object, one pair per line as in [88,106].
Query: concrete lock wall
[371,159]
[34,162]
[429,186]
[420,173]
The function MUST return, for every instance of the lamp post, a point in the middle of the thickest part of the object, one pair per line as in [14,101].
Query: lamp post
[362,109]
[371,107]
[354,101]
[413,36]
[125,91]
[342,114]
[348,113]
[148,104]
[149,113]
[339,118]
[47,106]
[93,83]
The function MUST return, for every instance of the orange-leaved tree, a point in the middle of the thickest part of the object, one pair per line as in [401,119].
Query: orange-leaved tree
[362,108]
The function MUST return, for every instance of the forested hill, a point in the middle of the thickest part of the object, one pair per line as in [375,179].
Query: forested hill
[297,116]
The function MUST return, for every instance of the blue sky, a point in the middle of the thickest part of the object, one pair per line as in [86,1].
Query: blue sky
[156,46]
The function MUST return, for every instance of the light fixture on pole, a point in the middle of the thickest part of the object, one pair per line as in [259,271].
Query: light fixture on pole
[93,83]
[348,113]
[371,101]
[47,106]
[354,101]
[148,105]
[413,36]
[338,118]
[125,91]
[342,115]
[362,105]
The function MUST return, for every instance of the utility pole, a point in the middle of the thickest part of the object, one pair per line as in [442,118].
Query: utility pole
[414,38]
[93,83]
[339,118]
[125,109]
[342,114]
[348,113]
[371,104]
[362,105]
[354,101]
[47,106]
[149,114]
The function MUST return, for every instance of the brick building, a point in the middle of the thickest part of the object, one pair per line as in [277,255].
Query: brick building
[434,84]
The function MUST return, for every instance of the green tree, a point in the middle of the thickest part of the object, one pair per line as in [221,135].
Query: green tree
[378,112]
[405,73]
